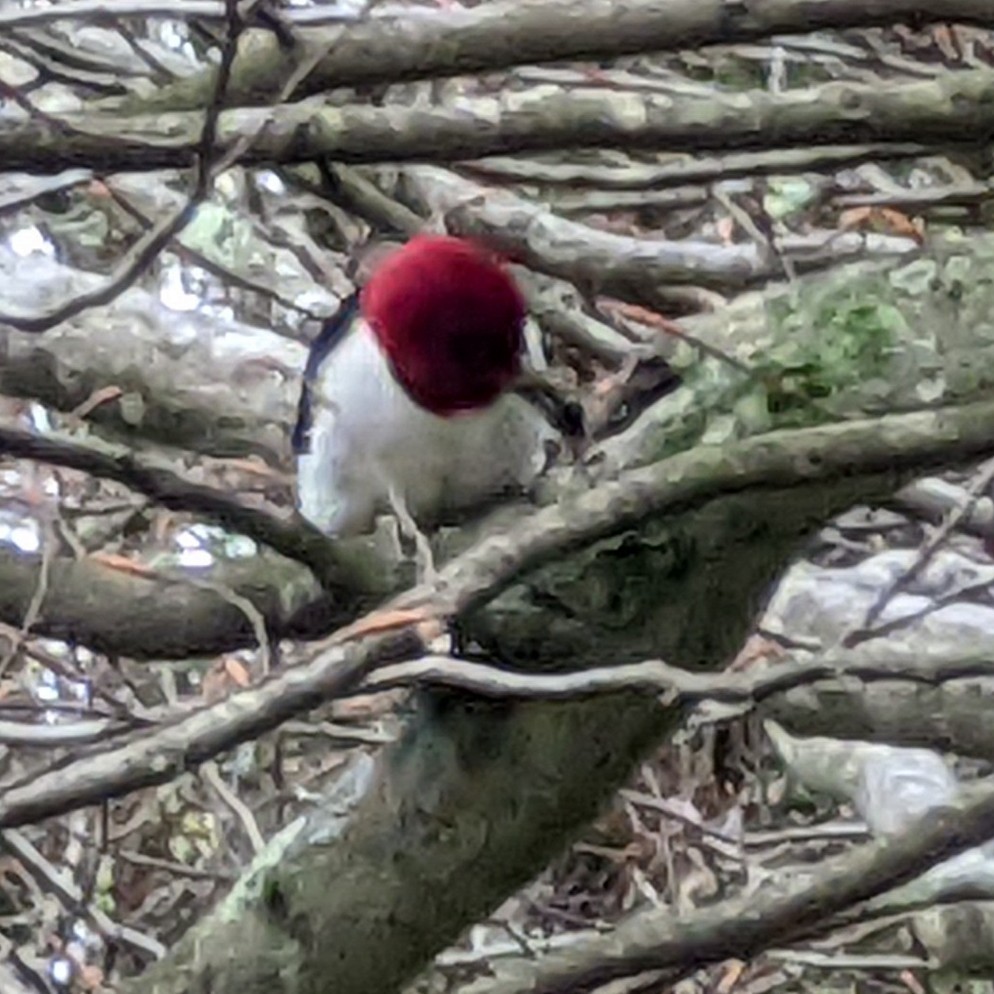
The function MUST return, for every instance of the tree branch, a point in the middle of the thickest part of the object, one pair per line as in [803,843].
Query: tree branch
[157,755]
[947,109]
[897,445]
[602,262]
[414,45]
[640,176]
[162,617]
[660,941]
[296,539]
[678,687]
[187,379]
[151,244]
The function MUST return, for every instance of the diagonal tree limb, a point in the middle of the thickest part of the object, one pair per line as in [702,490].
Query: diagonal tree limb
[659,941]
[481,797]
[159,754]
[897,445]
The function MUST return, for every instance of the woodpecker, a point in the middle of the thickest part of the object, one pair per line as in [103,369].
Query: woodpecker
[409,397]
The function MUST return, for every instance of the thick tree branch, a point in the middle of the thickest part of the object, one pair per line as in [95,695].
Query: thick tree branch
[948,715]
[602,262]
[953,108]
[159,617]
[498,35]
[483,796]
[896,445]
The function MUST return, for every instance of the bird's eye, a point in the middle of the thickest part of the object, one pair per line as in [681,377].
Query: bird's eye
[479,353]
[466,350]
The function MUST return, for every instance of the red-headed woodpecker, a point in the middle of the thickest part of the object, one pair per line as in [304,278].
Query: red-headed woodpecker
[407,399]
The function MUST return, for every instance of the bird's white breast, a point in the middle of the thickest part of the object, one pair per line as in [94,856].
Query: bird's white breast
[367,436]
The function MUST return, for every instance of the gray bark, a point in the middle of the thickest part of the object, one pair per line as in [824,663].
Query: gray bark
[939,110]
[499,35]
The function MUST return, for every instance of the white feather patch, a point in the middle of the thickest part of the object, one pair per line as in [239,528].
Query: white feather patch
[367,436]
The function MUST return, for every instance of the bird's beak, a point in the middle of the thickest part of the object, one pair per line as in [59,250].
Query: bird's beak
[564,414]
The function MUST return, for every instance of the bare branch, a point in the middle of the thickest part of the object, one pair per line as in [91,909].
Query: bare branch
[678,687]
[627,267]
[640,176]
[196,381]
[23,733]
[155,756]
[658,940]
[948,109]
[109,11]
[898,444]
[406,45]
[867,628]
[296,539]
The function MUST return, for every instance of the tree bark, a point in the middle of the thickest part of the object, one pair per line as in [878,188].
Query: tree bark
[948,109]
[493,36]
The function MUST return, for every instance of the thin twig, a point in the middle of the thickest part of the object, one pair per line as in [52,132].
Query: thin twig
[678,687]
[977,488]
[70,896]
[33,611]
[212,775]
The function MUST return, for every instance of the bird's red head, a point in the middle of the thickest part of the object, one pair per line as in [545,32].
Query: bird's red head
[450,321]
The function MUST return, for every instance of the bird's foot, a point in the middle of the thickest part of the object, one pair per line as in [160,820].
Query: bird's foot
[423,555]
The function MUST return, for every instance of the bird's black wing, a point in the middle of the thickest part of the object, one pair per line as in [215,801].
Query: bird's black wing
[331,333]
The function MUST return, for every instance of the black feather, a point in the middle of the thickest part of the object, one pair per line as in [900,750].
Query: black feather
[331,333]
